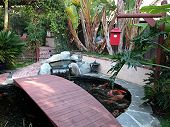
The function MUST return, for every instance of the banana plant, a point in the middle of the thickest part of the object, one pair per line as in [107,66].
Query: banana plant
[129,31]
[73,21]
[89,13]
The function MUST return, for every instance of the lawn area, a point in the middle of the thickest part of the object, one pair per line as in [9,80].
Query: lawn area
[21,64]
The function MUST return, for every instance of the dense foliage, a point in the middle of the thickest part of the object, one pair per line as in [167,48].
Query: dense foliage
[41,16]
[87,18]
[157,88]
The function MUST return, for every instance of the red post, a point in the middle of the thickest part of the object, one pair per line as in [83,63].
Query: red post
[37,54]
[159,53]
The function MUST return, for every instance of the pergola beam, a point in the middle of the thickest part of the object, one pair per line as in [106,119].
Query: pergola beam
[139,15]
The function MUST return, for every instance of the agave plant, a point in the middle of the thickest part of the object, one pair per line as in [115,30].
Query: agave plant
[10,47]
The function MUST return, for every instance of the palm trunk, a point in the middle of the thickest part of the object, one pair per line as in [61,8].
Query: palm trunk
[6,16]
[79,45]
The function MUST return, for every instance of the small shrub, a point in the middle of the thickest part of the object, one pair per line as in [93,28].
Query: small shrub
[157,91]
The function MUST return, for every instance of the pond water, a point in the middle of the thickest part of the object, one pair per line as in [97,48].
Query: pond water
[112,96]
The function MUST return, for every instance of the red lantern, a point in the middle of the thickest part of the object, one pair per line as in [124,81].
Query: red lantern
[115,36]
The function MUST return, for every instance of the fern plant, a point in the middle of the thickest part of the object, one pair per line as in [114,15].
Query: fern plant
[10,47]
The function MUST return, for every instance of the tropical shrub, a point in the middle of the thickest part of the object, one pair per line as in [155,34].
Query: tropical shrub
[157,90]
[46,16]
[10,47]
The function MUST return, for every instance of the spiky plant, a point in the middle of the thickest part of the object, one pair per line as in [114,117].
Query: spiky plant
[10,47]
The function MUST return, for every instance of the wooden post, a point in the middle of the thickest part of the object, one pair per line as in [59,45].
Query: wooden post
[159,53]
[37,54]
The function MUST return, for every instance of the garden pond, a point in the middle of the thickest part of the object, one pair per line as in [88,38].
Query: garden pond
[18,110]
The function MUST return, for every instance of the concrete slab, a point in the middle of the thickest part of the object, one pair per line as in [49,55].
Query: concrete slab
[127,74]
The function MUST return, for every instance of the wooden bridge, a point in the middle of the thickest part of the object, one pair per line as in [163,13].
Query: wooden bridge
[65,103]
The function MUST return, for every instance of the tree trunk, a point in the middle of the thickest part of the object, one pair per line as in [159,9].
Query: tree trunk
[121,23]
[6,15]
[80,46]
[86,13]
[86,38]
[112,22]
[95,27]
[106,32]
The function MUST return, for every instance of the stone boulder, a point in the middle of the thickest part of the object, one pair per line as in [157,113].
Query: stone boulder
[45,69]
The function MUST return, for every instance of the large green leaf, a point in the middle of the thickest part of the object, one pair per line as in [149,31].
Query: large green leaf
[97,6]
[129,5]
[73,15]
[156,9]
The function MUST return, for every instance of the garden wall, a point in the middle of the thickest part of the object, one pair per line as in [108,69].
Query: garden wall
[130,75]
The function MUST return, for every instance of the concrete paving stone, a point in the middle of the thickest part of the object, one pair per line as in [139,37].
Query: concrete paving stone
[126,121]
[140,107]
[145,119]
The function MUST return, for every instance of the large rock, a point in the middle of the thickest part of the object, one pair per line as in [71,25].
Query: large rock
[65,55]
[45,69]
[80,68]
[84,67]
[54,58]
[76,58]
[75,70]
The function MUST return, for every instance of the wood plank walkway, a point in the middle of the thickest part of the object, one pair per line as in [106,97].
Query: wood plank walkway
[65,103]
